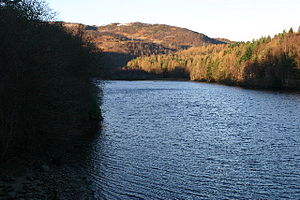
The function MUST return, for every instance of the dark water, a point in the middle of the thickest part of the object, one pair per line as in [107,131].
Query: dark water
[185,140]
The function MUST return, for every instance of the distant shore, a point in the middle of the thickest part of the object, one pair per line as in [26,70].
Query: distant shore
[257,84]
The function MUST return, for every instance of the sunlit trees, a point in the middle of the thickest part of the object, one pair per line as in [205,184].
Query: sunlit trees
[261,63]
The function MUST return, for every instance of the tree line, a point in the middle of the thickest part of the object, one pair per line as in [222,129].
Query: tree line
[263,63]
[46,73]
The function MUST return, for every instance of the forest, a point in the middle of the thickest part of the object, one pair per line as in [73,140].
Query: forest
[46,73]
[263,63]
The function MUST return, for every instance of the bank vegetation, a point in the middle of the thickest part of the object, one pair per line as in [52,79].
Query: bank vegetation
[46,90]
[263,63]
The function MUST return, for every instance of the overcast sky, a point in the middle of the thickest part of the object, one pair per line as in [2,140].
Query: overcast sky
[237,20]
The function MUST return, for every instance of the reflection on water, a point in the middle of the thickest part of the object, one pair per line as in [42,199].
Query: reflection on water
[185,140]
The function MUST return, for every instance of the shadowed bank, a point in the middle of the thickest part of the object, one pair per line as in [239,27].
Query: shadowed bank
[47,96]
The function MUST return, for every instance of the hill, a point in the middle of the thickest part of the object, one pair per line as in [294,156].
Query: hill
[264,63]
[168,36]
[123,42]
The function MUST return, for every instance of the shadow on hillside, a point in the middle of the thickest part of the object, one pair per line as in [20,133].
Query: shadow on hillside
[113,61]
[276,72]
[113,64]
[178,73]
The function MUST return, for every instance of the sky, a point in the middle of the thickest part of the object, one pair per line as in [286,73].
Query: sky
[237,20]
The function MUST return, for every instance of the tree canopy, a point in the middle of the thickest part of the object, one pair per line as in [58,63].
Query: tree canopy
[264,63]
[46,90]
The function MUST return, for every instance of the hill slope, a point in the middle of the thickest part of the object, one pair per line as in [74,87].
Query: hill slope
[264,63]
[123,42]
[168,36]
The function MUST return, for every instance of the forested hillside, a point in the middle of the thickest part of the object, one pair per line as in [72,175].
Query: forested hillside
[123,42]
[263,63]
[46,93]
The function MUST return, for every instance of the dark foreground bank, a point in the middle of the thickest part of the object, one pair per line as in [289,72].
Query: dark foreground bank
[37,177]
[47,102]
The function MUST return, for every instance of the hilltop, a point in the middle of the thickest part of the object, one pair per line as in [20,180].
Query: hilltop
[170,37]
[123,42]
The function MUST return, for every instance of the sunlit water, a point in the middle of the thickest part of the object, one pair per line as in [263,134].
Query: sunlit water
[185,140]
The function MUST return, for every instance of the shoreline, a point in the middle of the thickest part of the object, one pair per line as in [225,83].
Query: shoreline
[40,177]
[240,85]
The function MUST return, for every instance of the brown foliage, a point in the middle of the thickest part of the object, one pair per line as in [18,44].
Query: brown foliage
[140,39]
[262,63]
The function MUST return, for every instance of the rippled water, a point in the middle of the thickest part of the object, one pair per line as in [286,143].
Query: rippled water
[185,140]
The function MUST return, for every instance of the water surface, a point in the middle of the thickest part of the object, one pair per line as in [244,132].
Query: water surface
[186,140]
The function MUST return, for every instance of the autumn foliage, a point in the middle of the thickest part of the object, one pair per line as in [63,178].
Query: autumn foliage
[262,63]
